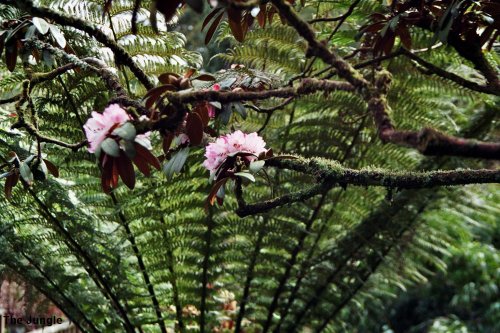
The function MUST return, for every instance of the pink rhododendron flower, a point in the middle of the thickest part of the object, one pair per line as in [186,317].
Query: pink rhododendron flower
[100,125]
[211,108]
[217,152]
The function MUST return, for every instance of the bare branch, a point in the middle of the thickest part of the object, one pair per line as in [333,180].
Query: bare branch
[42,138]
[433,69]
[10,100]
[341,18]
[319,49]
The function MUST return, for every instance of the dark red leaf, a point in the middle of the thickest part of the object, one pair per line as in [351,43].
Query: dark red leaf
[210,16]
[196,5]
[202,111]
[146,155]
[168,78]
[404,36]
[261,17]
[210,131]
[213,192]
[107,169]
[142,165]
[247,23]
[270,14]
[36,54]
[114,173]
[10,182]
[235,23]
[2,43]
[205,77]
[189,73]
[378,17]
[167,8]
[11,55]
[375,27]
[194,128]
[51,167]
[167,141]
[107,6]
[213,27]
[126,170]
[389,43]
[154,94]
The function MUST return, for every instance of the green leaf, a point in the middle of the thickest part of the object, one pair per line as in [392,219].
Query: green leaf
[26,173]
[48,58]
[175,164]
[246,175]
[110,147]
[256,166]
[240,109]
[126,131]
[42,167]
[227,83]
[30,33]
[217,105]
[41,25]
[58,36]
[226,113]
[129,148]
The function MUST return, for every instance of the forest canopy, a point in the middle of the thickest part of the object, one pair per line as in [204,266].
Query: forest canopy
[253,165]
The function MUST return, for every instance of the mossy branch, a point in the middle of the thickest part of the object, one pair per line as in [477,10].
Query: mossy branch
[329,174]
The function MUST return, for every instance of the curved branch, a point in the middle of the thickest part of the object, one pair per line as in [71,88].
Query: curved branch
[42,138]
[121,55]
[433,69]
[10,100]
[341,18]
[428,141]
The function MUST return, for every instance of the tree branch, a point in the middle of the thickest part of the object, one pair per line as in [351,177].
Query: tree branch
[316,48]
[10,100]
[121,55]
[330,174]
[433,69]
[341,18]
[306,86]
[42,138]
[428,141]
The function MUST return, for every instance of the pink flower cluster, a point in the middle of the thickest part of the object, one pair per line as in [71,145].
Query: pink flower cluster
[217,152]
[100,125]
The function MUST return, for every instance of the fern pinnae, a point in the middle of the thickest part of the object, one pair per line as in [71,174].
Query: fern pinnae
[210,225]
[250,275]
[291,262]
[65,297]
[93,271]
[142,266]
